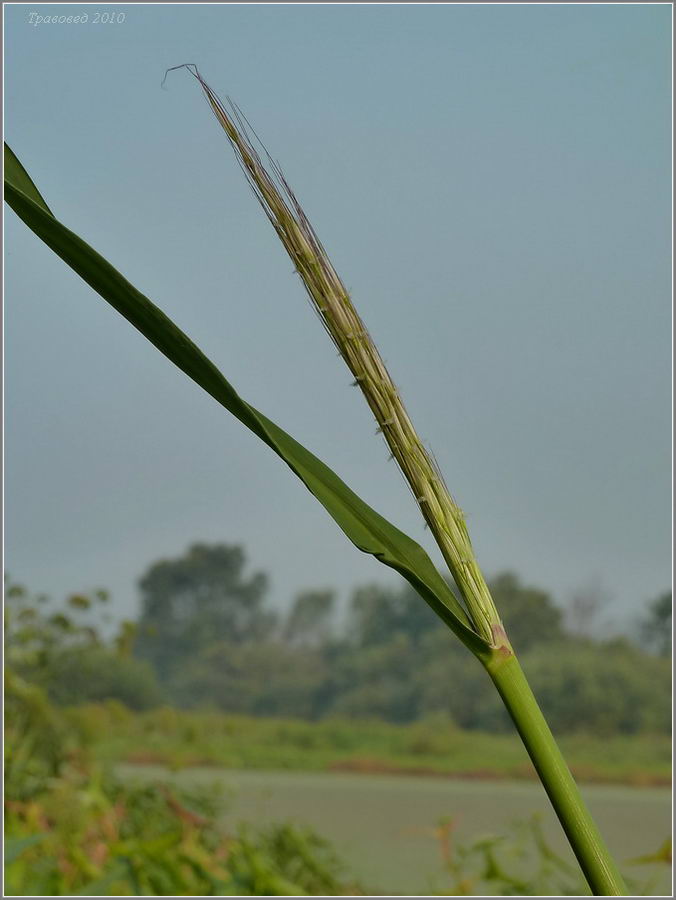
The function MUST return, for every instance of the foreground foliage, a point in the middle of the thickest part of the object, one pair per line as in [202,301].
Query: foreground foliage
[77,823]
[522,863]
[73,828]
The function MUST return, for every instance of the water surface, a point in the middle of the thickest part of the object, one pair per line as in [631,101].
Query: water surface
[383,825]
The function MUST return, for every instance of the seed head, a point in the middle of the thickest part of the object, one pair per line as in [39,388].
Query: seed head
[334,307]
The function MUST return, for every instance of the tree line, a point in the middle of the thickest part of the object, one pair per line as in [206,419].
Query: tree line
[207,637]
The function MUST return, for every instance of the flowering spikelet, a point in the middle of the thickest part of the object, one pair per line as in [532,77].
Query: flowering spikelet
[334,306]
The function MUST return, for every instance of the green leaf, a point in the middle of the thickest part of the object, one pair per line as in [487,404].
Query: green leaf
[663,855]
[21,179]
[101,886]
[14,847]
[369,531]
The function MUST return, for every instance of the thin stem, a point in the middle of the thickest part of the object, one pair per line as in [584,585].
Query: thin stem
[589,847]
[445,519]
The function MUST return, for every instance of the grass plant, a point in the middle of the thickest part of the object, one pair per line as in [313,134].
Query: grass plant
[473,615]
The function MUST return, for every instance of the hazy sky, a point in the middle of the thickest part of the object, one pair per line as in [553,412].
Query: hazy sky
[493,185]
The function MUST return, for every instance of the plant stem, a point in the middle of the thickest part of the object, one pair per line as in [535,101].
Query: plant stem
[589,847]
[445,519]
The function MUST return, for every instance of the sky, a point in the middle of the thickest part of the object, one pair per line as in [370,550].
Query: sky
[493,184]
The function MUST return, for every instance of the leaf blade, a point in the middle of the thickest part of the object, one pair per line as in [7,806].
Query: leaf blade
[15,172]
[368,531]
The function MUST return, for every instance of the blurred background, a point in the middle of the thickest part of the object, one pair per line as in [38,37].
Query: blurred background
[208,688]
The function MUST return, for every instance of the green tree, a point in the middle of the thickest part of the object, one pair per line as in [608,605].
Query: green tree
[618,690]
[59,648]
[529,613]
[261,678]
[92,674]
[309,619]
[377,681]
[449,683]
[191,601]
[655,629]
[378,614]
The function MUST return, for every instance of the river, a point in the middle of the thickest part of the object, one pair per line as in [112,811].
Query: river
[383,825]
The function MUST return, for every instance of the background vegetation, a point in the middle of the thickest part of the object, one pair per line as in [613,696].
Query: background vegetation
[208,638]
[212,674]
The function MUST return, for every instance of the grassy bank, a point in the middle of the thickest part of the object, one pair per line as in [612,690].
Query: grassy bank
[435,747]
